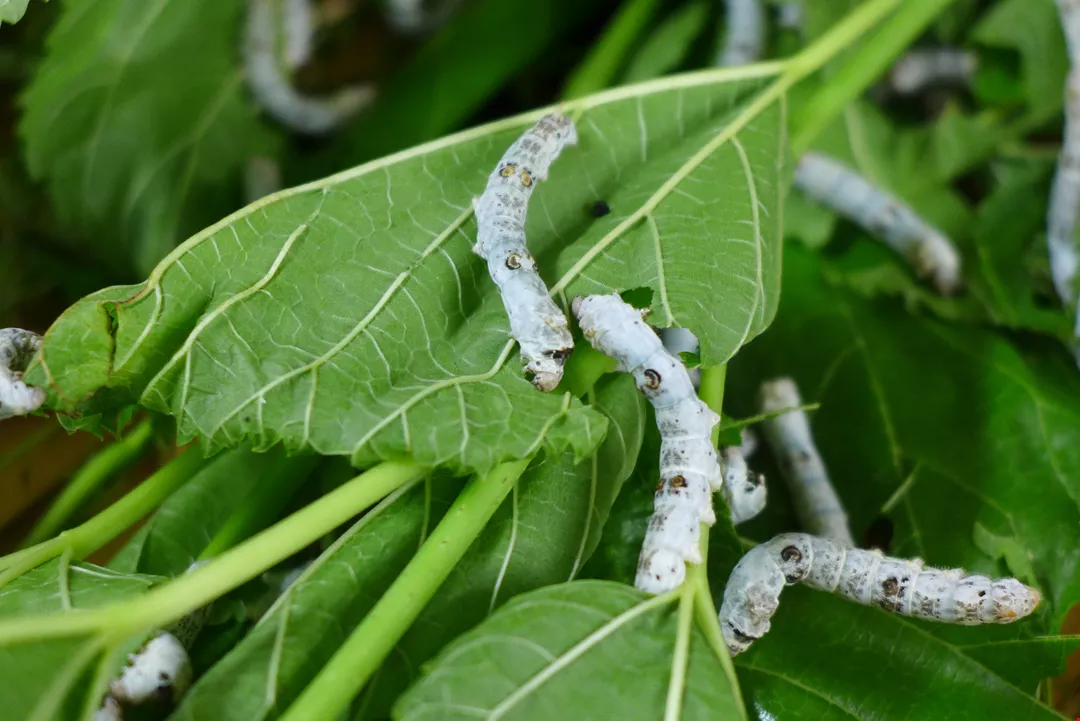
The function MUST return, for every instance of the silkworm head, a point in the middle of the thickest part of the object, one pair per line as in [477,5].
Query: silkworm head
[1013,600]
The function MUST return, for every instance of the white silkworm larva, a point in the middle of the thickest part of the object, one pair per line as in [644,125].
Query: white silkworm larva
[743,490]
[924,68]
[536,323]
[274,92]
[17,349]
[1064,209]
[415,17]
[1070,25]
[160,669]
[816,503]
[681,340]
[299,32]
[745,38]
[828,182]
[110,711]
[689,471]
[905,587]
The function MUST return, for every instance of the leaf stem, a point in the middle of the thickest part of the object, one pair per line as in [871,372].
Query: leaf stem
[863,67]
[87,480]
[110,523]
[177,598]
[681,656]
[372,641]
[619,37]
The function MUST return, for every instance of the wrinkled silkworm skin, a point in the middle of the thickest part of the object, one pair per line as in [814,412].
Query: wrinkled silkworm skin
[745,37]
[681,340]
[17,348]
[415,17]
[842,190]
[921,69]
[274,92]
[536,323]
[160,669]
[743,490]
[689,471]
[1064,210]
[905,587]
[818,507]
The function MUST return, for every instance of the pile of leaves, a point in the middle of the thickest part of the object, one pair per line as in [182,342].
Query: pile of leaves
[335,361]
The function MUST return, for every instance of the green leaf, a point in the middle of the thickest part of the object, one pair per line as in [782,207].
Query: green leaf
[1024,662]
[12,11]
[932,426]
[269,668]
[666,48]
[137,120]
[180,530]
[587,649]
[827,658]
[47,679]
[1033,29]
[541,536]
[350,316]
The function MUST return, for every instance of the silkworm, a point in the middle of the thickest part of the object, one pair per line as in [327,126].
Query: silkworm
[828,182]
[110,711]
[537,324]
[905,587]
[17,348]
[743,490]
[274,92]
[299,32]
[920,69]
[689,471]
[160,669]
[1070,25]
[745,38]
[1064,209]
[681,340]
[415,17]
[816,503]
[789,16]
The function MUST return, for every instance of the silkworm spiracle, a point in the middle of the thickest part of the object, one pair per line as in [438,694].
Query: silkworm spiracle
[272,89]
[816,503]
[689,471]
[900,586]
[536,323]
[828,182]
[17,348]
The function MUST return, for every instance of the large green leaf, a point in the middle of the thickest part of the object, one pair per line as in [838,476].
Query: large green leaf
[137,121]
[350,316]
[970,446]
[587,649]
[540,536]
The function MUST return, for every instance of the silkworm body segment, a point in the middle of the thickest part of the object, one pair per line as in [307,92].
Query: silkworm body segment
[745,37]
[816,503]
[17,349]
[920,69]
[932,255]
[689,471]
[160,667]
[743,490]
[905,587]
[537,324]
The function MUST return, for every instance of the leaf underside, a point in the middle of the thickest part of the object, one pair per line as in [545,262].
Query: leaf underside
[350,316]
